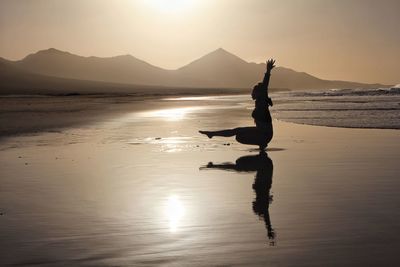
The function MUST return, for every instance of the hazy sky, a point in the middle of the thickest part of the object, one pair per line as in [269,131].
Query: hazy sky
[355,40]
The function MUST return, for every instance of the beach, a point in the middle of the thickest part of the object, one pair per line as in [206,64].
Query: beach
[130,182]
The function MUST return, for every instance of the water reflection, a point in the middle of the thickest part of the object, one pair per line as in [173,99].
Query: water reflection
[171,114]
[263,166]
[174,211]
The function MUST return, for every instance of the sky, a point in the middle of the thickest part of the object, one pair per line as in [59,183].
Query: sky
[354,40]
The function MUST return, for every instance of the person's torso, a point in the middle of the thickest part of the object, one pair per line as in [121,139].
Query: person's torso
[261,111]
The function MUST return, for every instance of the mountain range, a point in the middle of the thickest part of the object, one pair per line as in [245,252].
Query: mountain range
[55,70]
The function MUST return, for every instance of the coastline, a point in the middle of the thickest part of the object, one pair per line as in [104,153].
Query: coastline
[57,112]
[33,114]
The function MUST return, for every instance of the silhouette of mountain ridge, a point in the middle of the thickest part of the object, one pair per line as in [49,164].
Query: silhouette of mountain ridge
[217,69]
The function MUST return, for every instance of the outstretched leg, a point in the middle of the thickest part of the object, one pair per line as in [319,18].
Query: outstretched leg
[224,133]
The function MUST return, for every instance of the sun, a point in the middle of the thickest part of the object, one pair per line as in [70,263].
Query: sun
[170,5]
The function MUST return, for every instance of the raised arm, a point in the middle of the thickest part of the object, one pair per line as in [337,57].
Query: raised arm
[270,66]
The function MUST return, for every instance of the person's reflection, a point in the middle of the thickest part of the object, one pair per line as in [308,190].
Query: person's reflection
[261,164]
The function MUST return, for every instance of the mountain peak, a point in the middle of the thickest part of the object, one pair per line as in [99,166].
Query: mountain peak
[52,51]
[221,52]
[126,56]
[219,58]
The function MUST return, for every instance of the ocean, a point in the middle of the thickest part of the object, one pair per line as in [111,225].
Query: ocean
[350,108]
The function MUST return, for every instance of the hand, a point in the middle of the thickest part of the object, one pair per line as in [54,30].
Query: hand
[269,101]
[270,64]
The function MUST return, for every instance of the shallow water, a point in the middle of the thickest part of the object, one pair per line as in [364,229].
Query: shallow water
[351,108]
[138,189]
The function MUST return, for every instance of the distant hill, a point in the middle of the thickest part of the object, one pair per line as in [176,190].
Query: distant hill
[218,69]
[120,69]
[15,81]
[223,69]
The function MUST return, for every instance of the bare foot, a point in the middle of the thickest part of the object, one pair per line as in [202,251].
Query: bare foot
[209,134]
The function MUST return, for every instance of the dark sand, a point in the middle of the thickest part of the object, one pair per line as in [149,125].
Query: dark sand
[129,188]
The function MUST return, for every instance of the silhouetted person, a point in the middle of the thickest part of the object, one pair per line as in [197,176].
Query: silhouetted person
[261,164]
[262,134]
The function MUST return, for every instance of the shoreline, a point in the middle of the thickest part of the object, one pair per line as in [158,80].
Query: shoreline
[55,113]
[341,127]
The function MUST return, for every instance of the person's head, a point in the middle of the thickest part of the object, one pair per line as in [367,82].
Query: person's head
[256,90]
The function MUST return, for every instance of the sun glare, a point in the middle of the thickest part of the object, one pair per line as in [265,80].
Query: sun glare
[170,5]
[173,114]
[174,210]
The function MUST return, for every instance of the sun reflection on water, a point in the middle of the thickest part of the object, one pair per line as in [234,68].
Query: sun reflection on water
[172,114]
[174,210]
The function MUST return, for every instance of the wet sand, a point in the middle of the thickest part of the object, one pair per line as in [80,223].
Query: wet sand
[136,188]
